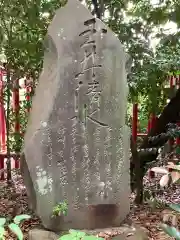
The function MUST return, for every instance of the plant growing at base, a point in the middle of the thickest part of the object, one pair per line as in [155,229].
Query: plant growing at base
[14,226]
[60,208]
[78,235]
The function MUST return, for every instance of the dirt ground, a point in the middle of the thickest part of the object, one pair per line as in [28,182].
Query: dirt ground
[14,202]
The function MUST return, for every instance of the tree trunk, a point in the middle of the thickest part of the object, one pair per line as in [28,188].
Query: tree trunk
[136,173]
[98,8]
[170,114]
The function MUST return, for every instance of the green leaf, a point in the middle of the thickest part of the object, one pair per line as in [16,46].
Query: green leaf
[20,218]
[78,234]
[2,232]
[171,231]
[92,238]
[2,221]
[16,230]
[66,237]
[178,149]
[170,73]
[175,207]
[64,213]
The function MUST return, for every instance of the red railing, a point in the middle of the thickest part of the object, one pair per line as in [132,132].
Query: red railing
[174,83]
[16,107]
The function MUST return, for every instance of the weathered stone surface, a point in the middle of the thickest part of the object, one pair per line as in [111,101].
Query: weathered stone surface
[77,144]
[40,234]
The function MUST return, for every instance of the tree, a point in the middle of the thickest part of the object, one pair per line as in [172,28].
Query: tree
[23,25]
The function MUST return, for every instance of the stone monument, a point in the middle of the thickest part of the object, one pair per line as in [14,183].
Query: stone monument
[76,146]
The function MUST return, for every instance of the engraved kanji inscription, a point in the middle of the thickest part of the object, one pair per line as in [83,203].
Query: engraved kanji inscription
[84,111]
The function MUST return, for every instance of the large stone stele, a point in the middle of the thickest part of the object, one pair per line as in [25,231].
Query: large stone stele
[76,146]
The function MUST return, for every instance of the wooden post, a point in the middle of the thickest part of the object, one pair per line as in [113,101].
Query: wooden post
[149,124]
[153,120]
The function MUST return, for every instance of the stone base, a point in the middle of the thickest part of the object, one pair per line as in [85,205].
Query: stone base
[124,232]
[89,217]
[40,234]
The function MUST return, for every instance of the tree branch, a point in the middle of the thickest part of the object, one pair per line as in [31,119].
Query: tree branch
[96,8]
[101,8]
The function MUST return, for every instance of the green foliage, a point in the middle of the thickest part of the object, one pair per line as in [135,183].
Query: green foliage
[14,227]
[178,150]
[152,201]
[2,221]
[60,208]
[175,207]
[78,235]
[16,230]
[143,113]
[23,25]
[171,231]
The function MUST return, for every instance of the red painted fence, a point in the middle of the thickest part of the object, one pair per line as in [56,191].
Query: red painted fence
[16,107]
[174,83]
